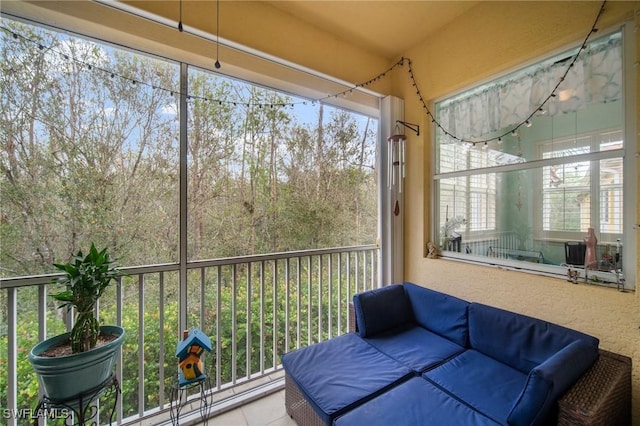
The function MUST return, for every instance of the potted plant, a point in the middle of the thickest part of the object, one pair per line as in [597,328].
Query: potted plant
[71,364]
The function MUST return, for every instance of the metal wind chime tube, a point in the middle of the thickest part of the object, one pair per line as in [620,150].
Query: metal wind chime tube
[396,160]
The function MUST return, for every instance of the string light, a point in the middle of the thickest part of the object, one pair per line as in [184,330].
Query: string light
[527,121]
[400,63]
[172,92]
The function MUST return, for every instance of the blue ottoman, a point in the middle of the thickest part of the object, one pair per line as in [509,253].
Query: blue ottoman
[332,384]
[414,402]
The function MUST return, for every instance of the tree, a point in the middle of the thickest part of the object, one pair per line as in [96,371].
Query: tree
[90,141]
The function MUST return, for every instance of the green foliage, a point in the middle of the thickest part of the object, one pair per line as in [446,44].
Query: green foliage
[88,157]
[265,309]
[85,279]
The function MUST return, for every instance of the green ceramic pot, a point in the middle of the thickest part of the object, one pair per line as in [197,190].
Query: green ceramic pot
[66,377]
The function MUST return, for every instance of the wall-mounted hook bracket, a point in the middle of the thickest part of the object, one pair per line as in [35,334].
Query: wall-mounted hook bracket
[414,127]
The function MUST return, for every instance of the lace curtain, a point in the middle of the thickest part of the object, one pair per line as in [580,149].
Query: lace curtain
[596,77]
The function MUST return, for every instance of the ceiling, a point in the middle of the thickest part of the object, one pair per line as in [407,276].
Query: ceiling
[384,27]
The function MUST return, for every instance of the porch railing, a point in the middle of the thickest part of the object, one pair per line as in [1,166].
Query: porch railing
[254,308]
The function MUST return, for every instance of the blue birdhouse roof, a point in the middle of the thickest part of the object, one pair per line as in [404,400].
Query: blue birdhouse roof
[196,337]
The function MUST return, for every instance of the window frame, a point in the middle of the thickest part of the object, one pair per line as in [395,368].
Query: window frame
[628,238]
[593,158]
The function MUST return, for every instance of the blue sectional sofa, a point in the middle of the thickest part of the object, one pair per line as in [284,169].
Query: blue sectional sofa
[421,357]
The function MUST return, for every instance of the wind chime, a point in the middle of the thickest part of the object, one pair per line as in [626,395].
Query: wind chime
[395,166]
[396,160]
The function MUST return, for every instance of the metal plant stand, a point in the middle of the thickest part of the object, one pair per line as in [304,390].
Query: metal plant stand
[180,399]
[83,408]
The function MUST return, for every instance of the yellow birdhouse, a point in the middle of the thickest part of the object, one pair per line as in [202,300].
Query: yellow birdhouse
[191,367]
[190,352]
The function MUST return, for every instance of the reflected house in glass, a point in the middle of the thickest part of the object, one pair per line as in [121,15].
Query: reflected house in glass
[190,352]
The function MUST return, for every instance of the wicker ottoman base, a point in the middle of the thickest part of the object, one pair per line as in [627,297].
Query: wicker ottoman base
[297,406]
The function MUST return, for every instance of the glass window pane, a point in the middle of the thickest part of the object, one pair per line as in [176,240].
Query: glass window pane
[91,152]
[611,196]
[532,174]
[270,172]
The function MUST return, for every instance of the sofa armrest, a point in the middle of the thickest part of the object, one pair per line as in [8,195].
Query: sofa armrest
[565,368]
[549,381]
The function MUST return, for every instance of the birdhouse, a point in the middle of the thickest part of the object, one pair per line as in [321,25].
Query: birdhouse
[190,352]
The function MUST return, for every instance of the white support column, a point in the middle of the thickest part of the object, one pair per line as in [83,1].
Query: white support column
[391,197]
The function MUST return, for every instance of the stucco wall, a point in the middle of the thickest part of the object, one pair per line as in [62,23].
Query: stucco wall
[491,38]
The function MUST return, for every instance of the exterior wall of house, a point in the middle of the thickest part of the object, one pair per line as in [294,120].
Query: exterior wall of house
[492,38]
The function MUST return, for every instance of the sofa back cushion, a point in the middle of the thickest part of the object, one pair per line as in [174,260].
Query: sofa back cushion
[438,312]
[381,309]
[517,340]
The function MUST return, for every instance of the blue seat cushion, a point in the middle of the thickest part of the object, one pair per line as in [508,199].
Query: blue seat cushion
[414,402]
[443,314]
[415,347]
[381,309]
[517,340]
[338,374]
[487,385]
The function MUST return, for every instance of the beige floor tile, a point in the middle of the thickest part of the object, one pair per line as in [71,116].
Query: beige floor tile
[231,418]
[283,421]
[265,410]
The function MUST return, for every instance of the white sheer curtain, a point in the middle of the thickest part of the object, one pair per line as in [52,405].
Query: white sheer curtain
[594,78]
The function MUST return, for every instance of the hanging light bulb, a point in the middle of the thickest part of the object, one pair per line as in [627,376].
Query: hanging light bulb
[527,123]
[217,64]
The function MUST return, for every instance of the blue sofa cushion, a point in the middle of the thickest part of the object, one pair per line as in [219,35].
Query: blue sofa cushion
[517,340]
[381,309]
[439,312]
[415,347]
[338,374]
[414,402]
[485,384]
[549,381]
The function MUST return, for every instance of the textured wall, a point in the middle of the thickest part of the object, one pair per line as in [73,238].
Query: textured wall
[491,38]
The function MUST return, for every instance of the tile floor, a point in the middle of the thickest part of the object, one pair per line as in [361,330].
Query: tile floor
[267,411]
